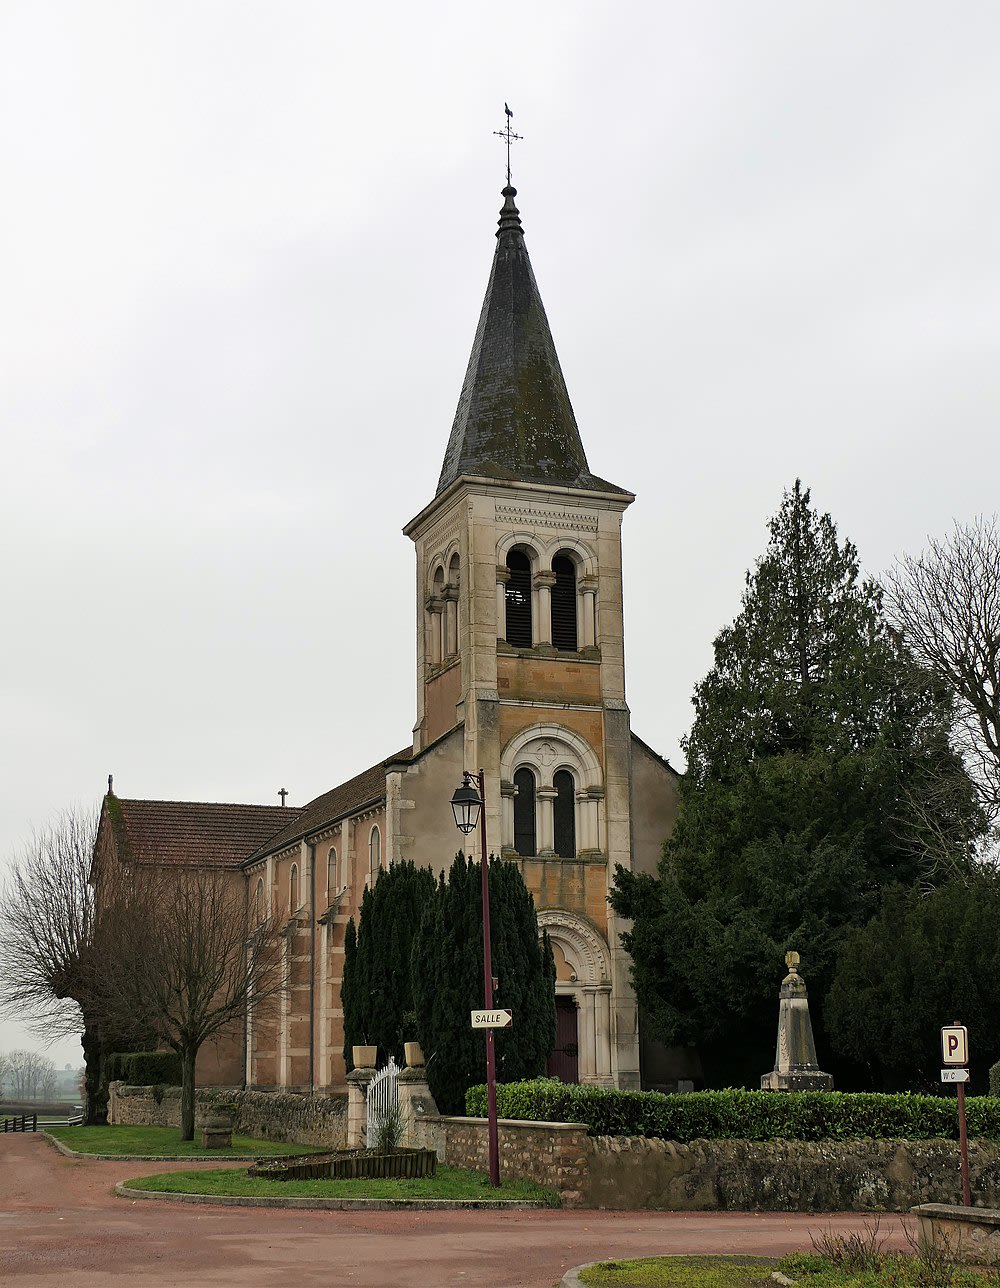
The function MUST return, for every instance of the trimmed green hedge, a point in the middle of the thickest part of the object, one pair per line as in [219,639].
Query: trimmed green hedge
[740,1115]
[145,1068]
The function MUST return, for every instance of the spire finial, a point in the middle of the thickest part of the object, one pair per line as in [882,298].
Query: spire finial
[508,134]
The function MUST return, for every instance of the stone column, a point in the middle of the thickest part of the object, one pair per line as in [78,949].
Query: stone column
[507,793]
[543,583]
[416,1103]
[602,1034]
[450,620]
[588,620]
[357,1111]
[588,1031]
[435,611]
[503,577]
[545,840]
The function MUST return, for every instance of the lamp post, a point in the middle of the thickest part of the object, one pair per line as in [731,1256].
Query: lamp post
[468,806]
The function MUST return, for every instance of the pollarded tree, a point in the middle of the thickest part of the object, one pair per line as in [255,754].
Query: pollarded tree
[377,991]
[812,732]
[448,981]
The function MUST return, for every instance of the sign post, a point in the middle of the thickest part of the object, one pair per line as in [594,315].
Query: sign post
[492,1019]
[955,1058]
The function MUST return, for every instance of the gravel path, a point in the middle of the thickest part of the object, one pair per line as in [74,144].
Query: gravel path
[62,1227]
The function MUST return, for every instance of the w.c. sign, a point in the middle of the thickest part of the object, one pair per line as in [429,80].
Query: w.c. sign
[955,1044]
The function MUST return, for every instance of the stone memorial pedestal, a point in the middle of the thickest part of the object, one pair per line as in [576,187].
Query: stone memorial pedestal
[795,1066]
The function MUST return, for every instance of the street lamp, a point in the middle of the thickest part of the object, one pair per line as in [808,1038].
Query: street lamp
[467,806]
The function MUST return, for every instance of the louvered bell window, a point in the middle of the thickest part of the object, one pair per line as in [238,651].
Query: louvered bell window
[564,604]
[564,814]
[524,812]
[518,598]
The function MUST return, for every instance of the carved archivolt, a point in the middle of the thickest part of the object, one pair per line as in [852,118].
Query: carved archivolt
[581,943]
[548,747]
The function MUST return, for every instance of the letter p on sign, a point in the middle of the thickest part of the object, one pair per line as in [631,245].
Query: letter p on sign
[955,1045]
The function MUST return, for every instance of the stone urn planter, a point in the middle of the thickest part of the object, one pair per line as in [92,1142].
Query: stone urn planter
[217,1130]
[414,1055]
[364,1057]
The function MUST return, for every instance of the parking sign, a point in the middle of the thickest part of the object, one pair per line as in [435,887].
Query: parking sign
[955,1044]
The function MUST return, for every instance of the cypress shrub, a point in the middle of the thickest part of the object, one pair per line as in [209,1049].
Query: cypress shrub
[447,969]
[377,991]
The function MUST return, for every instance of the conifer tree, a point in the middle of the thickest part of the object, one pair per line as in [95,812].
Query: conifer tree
[448,981]
[813,732]
[377,992]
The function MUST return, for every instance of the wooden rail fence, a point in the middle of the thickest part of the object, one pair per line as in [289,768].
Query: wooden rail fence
[24,1122]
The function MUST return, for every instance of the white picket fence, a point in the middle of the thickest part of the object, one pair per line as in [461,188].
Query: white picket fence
[382,1099]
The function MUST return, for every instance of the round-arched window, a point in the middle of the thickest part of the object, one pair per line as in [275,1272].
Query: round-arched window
[564,814]
[518,599]
[374,855]
[525,841]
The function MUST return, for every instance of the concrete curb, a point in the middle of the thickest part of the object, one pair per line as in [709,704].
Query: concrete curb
[123,1190]
[157,1158]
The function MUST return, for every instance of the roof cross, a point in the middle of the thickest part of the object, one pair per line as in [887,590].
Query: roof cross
[283,792]
[510,136]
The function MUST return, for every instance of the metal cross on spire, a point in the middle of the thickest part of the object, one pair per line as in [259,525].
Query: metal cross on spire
[510,136]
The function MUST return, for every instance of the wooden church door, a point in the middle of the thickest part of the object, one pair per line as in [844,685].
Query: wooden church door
[564,1062]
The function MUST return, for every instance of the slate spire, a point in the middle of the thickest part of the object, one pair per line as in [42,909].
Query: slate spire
[514,419]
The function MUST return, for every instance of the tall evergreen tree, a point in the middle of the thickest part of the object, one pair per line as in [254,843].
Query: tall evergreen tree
[377,990]
[929,957]
[448,981]
[812,734]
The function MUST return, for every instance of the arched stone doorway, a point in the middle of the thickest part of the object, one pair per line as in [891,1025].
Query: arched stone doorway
[583,995]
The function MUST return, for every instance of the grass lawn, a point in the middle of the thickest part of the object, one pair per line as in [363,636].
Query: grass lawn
[163,1142]
[449,1183]
[807,1269]
[682,1272]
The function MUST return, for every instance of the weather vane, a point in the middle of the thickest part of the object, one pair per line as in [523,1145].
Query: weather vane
[510,136]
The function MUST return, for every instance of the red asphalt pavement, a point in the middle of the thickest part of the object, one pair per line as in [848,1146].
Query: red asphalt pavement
[61,1225]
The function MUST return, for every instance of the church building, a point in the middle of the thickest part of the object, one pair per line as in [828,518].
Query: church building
[520,673]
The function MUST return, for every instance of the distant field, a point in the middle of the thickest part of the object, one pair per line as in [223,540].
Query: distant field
[48,1108]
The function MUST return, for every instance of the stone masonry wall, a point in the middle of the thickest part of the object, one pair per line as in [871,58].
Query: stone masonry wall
[786,1176]
[303,1120]
[635,1173]
[552,1154]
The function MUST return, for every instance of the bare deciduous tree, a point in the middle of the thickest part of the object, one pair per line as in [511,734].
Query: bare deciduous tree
[946,602]
[192,965]
[29,1075]
[54,957]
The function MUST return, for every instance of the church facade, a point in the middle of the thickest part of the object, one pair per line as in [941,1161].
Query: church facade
[520,673]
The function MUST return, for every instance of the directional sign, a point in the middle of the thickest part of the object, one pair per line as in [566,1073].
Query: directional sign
[492,1019]
[954,1075]
[955,1044]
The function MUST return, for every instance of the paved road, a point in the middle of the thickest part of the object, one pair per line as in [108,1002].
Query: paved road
[61,1225]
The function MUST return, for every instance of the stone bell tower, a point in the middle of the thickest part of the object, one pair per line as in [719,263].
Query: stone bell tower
[520,645]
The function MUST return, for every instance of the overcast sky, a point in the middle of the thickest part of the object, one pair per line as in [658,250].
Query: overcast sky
[244,247]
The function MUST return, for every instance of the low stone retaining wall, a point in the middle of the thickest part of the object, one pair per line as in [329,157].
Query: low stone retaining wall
[268,1115]
[786,1175]
[635,1173]
[556,1155]
[970,1235]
